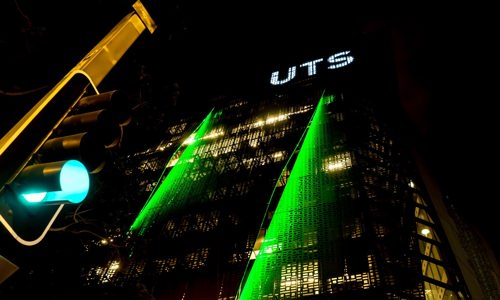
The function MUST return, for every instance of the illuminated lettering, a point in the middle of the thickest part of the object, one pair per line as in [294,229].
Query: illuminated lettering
[338,60]
[291,75]
[311,66]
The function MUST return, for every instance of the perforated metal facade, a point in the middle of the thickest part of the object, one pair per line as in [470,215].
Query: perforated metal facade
[304,192]
[307,200]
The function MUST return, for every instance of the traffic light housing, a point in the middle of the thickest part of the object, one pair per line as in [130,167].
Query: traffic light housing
[78,146]
[60,171]
[93,127]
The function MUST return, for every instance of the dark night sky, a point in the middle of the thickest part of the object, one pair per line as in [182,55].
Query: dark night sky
[453,127]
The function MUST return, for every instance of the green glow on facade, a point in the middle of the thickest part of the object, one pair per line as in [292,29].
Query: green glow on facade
[304,226]
[182,185]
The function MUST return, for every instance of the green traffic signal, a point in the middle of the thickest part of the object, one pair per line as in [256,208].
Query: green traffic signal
[53,183]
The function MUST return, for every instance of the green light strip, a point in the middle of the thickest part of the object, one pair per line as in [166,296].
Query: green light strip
[175,190]
[303,227]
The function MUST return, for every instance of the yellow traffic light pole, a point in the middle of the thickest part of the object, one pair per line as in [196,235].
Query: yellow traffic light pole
[91,70]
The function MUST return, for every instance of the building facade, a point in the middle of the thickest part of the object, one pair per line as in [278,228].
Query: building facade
[302,190]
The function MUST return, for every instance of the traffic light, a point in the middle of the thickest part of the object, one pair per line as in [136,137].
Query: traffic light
[77,147]
[60,170]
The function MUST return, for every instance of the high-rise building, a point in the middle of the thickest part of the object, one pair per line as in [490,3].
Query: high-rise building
[300,190]
[299,187]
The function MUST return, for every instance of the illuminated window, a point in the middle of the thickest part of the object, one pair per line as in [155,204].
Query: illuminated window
[189,140]
[107,274]
[177,129]
[298,280]
[279,156]
[354,230]
[197,259]
[337,162]
[362,280]
[165,265]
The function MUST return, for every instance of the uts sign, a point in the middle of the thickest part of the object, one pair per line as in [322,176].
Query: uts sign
[335,61]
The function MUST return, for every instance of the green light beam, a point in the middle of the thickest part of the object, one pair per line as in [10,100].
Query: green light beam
[303,226]
[176,188]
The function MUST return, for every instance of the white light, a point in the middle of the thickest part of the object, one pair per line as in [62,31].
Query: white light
[254,254]
[336,166]
[189,140]
[259,123]
[214,134]
[34,197]
[269,120]
[291,282]
[292,71]
[277,154]
[338,162]
[173,162]
[425,231]
[114,265]
[311,66]
[273,119]
[339,60]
